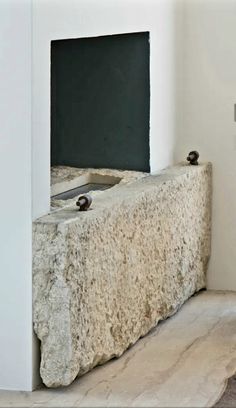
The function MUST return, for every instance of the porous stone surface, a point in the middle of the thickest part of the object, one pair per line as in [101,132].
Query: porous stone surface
[103,278]
[65,174]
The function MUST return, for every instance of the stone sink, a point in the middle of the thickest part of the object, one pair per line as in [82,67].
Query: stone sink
[103,278]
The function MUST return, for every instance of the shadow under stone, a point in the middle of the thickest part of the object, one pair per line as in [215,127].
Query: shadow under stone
[228,399]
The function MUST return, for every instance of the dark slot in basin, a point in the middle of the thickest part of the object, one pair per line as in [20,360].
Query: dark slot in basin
[67,195]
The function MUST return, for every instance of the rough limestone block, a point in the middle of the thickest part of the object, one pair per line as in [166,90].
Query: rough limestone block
[104,278]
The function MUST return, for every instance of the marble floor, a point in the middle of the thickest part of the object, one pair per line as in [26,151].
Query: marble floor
[183,362]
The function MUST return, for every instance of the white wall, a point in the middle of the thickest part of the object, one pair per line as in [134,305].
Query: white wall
[59,19]
[209,93]
[15,176]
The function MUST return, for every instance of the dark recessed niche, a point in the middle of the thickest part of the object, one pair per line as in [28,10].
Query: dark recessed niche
[100,102]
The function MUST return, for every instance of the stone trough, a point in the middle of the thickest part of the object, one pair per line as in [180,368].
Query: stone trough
[103,278]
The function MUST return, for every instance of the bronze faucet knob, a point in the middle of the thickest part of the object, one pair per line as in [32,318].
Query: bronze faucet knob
[193,157]
[84,201]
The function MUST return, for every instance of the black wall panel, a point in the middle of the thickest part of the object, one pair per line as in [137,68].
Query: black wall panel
[100,102]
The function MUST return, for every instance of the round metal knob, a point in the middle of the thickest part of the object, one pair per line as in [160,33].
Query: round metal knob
[193,157]
[84,202]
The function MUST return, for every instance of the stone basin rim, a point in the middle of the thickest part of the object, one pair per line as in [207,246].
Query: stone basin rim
[121,192]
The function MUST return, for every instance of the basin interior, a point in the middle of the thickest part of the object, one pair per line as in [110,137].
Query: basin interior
[83,184]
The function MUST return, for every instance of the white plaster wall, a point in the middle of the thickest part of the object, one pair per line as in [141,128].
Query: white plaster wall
[59,19]
[15,176]
[209,93]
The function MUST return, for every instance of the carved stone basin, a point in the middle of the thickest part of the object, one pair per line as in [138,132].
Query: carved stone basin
[105,277]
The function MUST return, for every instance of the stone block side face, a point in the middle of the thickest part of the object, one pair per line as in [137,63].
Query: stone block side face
[51,302]
[110,276]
